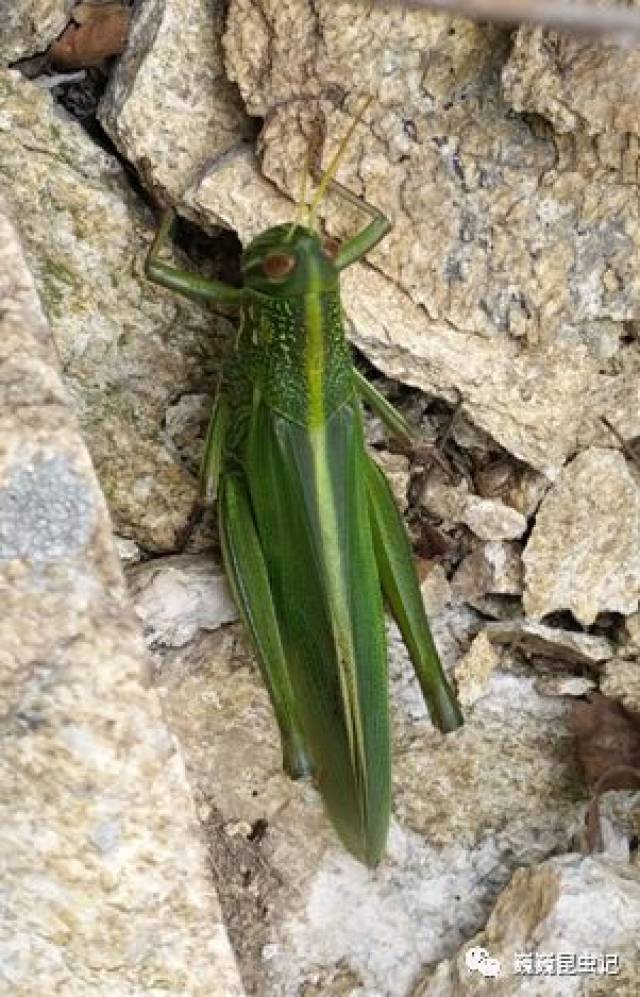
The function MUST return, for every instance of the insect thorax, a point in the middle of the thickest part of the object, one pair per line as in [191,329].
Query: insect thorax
[295,348]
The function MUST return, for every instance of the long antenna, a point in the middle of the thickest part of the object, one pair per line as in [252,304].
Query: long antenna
[302,205]
[332,168]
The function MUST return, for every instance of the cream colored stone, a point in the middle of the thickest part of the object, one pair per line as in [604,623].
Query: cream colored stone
[105,883]
[396,469]
[517,247]
[436,591]
[128,550]
[169,106]
[174,597]
[29,26]
[562,906]
[312,916]
[531,403]
[565,685]
[489,519]
[551,642]
[493,568]
[631,634]
[621,680]
[472,674]
[577,84]
[584,551]
[616,399]
[127,347]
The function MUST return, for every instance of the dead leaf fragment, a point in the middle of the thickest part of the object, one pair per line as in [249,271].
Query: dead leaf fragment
[608,737]
[98,32]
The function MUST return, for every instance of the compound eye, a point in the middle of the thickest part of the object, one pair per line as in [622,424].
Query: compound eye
[331,247]
[278,264]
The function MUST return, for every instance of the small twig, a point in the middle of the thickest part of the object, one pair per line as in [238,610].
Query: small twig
[617,24]
[627,449]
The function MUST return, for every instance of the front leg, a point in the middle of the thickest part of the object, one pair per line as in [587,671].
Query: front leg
[182,281]
[357,247]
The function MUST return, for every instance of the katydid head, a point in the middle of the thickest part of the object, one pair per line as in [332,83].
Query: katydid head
[288,261]
[294,259]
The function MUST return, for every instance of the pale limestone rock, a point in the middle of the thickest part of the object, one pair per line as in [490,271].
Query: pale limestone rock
[565,685]
[551,642]
[501,234]
[175,597]
[436,591]
[489,519]
[128,550]
[29,26]
[532,403]
[621,680]
[527,248]
[512,482]
[631,634]
[526,490]
[396,470]
[472,674]
[445,159]
[578,85]
[505,236]
[569,904]
[493,568]
[615,398]
[169,106]
[127,347]
[584,551]
[315,918]
[105,884]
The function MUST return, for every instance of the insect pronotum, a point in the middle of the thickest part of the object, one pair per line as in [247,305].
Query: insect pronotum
[311,538]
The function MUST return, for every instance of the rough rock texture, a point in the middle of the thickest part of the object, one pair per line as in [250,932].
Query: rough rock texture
[505,234]
[173,64]
[509,250]
[584,551]
[175,597]
[104,885]
[530,402]
[576,84]
[551,642]
[30,26]
[579,905]
[510,284]
[473,672]
[469,808]
[493,568]
[489,519]
[127,347]
[621,681]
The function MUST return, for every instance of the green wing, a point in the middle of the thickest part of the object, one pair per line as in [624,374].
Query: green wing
[309,498]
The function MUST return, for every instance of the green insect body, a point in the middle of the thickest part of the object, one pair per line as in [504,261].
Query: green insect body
[311,538]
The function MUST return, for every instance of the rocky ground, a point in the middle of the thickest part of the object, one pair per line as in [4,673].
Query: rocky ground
[502,316]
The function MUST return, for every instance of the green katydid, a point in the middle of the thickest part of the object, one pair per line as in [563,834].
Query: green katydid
[311,537]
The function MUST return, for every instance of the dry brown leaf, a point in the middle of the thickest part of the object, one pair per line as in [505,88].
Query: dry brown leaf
[608,741]
[100,33]
[608,736]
